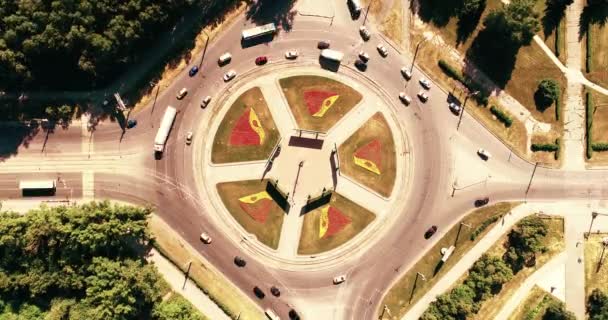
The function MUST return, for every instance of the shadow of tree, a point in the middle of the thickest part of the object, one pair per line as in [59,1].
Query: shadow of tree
[541,103]
[593,13]
[15,134]
[438,12]
[554,13]
[468,24]
[278,12]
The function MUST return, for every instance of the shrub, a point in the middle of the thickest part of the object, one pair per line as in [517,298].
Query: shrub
[484,226]
[589,123]
[546,93]
[558,104]
[503,116]
[599,146]
[558,39]
[451,71]
[558,142]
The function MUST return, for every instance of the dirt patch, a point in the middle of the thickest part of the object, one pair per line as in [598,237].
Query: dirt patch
[242,137]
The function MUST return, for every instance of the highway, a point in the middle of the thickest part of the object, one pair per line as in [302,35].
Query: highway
[125,169]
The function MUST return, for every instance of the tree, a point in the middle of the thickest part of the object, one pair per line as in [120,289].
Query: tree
[597,305]
[471,7]
[546,93]
[514,24]
[487,276]
[560,3]
[557,311]
[524,241]
[457,304]
[176,308]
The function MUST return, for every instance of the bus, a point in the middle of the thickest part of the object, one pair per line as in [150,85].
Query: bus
[163,130]
[260,31]
[38,187]
[332,55]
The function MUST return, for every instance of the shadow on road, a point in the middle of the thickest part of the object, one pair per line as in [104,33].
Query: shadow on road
[278,12]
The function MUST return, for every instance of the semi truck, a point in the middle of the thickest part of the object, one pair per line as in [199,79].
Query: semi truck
[332,55]
[163,130]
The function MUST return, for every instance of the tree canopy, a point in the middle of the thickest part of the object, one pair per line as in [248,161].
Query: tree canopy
[80,42]
[597,305]
[515,24]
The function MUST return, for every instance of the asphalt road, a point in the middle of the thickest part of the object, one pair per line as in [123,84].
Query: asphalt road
[168,183]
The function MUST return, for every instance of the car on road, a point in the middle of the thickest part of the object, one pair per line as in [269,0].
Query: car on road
[291,54]
[363,56]
[405,98]
[261,60]
[425,83]
[229,75]
[361,65]
[131,124]
[364,32]
[339,279]
[423,96]
[189,137]
[455,108]
[205,102]
[406,73]
[430,232]
[484,154]
[323,44]
[205,238]
[240,261]
[258,292]
[482,202]
[275,291]
[293,315]
[382,50]
[224,59]
[182,93]
[193,71]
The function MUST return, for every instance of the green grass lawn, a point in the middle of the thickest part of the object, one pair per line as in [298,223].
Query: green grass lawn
[267,233]
[534,306]
[294,89]
[222,152]
[554,241]
[399,299]
[375,128]
[595,277]
[310,243]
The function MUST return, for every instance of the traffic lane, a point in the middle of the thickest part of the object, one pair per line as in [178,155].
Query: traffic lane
[68,185]
[39,140]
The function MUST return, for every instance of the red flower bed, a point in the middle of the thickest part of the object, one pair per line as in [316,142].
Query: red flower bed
[243,134]
[315,99]
[259,210]
[337,222]
[371,152]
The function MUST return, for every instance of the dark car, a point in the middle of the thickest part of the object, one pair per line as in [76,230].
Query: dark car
[258,292]
[482,202]
[261,60]
[323,44]
[193,71]
[131,124]
[362,66]
[430,232]
[275,291]
[293,315]
[240,261]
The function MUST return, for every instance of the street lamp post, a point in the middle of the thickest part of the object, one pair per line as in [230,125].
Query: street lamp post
[205,49]
[416,51]
[531,177]
[604,245]
[460,227]
[387,310]
[366,12]
[416,283]
[593,216]
[463,107]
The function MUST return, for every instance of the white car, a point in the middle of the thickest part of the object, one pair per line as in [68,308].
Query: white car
[291,54]
[485,155]
[364,33]
[182,93]
[339,279]
[406,73]
[363,56]
[205,101]
[423,96]
[405,98]
[425,83]
[205,238]
[229,75]
[454,108]
[382,49]
[189,137]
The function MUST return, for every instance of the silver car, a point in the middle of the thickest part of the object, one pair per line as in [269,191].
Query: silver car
[382,50]
[425,83]
[229,75]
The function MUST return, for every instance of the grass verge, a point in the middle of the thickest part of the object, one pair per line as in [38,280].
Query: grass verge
[534,306]
[553,241]
[376,128]
[229,298]
[310,243]
[597,54]
[267,232]
[294,89]
[596,275]
[392,24]
[399,299]
[223,152]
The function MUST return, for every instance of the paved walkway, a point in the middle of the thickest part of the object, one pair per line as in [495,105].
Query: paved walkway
[188,290]
[574,227]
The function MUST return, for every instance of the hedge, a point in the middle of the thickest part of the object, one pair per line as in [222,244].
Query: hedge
[503,116]
[548,147]
[484,226]
[558,104]
[451,71]
[599,146]
[589,123]
[558,142]
[589,53]
[481,97]
[558,38]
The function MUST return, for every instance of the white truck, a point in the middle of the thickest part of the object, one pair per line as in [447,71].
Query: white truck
[333,55]
[163,130]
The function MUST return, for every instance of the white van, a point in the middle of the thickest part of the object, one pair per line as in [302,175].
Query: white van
[271,315]
[182,93]
[225,59]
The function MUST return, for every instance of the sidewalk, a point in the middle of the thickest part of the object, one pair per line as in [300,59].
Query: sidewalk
[189,290]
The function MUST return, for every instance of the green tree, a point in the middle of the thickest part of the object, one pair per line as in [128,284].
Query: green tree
[597,305]
[176,308]
[471,7]
[457,304]
[557,311]
[524,241]
[547,92]
[515,23]
[487,276]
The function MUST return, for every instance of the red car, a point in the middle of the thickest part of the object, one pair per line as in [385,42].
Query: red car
[261,60]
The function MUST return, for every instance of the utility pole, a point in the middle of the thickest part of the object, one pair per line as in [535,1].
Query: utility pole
[385,309]
[604,244]
[416,283]
[187,274]
[463,106]
[531,177]
[593,216]
[366,12]
[205,49]
[460,227]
